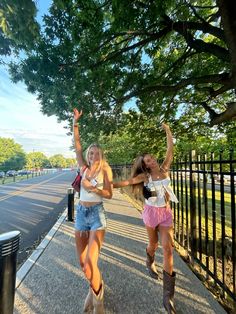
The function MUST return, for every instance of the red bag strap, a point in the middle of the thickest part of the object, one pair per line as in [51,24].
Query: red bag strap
[83,169]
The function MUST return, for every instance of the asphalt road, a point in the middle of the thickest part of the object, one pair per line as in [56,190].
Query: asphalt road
[32,207]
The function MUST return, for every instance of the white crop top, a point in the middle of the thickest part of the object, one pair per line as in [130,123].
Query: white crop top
[86,196]
[161,187]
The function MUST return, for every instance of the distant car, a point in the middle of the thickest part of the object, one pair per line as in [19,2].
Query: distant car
[11,173]
[24,172]
[2,174]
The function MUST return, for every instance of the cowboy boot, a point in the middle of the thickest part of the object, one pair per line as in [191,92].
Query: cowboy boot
[88,303]
[98,307]
[168,292]
[150,263]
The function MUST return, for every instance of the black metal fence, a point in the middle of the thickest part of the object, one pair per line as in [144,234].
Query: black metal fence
[205,223]
[205,218]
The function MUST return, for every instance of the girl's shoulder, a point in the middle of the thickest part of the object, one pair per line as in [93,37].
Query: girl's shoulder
[106,169]
[83,169]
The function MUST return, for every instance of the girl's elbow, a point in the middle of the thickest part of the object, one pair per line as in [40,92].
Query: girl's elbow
[109,196]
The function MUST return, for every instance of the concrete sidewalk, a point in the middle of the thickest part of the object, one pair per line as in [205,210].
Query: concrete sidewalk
[56,284]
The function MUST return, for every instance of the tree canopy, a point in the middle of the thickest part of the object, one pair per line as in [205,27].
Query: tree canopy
[58,161]
[12,155]
[18,26]
[172,59]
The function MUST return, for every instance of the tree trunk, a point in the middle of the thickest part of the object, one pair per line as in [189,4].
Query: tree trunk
[228,18]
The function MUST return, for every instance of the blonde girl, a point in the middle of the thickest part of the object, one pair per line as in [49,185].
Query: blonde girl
[90,223]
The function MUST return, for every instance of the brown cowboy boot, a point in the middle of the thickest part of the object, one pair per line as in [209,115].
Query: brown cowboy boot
[168,292]
[150,263]
[88,303]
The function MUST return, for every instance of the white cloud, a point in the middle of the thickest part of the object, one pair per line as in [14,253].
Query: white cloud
[22,120]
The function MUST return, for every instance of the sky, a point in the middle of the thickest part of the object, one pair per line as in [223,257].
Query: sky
[21,119]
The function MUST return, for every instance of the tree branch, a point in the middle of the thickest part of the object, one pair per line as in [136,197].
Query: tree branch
[200,45]
[195,12]
[211,112]
[214,78]
[228,114]
[180,27]
[205,6]
[205,27]
[182,59]
[143,42]
[227,10]
[218,118]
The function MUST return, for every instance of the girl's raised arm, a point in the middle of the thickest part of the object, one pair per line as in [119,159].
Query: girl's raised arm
[170,148]
[77,143]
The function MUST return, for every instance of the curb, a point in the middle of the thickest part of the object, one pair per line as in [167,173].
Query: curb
[29,263]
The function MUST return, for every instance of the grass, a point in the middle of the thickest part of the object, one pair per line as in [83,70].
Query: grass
[201,207]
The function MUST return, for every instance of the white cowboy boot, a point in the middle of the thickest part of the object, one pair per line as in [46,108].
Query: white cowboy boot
[98,307]
[88,303]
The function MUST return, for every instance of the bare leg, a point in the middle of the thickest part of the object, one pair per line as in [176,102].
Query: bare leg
[88,248]
[81,241]
[91,269]
[167,241]
[153,240]
[150,251]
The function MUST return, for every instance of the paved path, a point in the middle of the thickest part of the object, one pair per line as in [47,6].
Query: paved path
[55,284]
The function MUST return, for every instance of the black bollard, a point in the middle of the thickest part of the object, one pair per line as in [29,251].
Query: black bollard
[71,204]
[9,245]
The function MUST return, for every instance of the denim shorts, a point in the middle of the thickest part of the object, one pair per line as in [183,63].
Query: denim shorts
[90,218]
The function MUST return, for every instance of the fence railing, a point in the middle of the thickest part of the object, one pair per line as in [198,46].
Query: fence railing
[205,218]
[20,177]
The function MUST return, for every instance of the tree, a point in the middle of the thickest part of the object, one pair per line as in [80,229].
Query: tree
[58,161]
[174,59]
[36,160]
[71,162]
[140,134]
[18,27]
[12,155]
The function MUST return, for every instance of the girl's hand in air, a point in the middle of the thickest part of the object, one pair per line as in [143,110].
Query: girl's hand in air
[77,115]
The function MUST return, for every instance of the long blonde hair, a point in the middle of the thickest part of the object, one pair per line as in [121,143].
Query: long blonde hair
[139,167]
[99,166]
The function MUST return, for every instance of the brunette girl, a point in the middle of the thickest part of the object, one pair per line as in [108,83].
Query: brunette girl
[151,180]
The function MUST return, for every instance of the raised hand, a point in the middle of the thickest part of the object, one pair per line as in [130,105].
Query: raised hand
[165,127]
[77,114]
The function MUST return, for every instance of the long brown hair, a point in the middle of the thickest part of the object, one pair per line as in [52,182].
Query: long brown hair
[139,167]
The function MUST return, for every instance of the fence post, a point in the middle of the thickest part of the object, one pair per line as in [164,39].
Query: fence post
[9,245]
[193,209]
[233,219]
[71,207]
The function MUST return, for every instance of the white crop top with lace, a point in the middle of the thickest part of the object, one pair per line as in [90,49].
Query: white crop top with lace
[161,187]
[86,196]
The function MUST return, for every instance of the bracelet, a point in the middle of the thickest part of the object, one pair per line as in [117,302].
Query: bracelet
[75,126]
